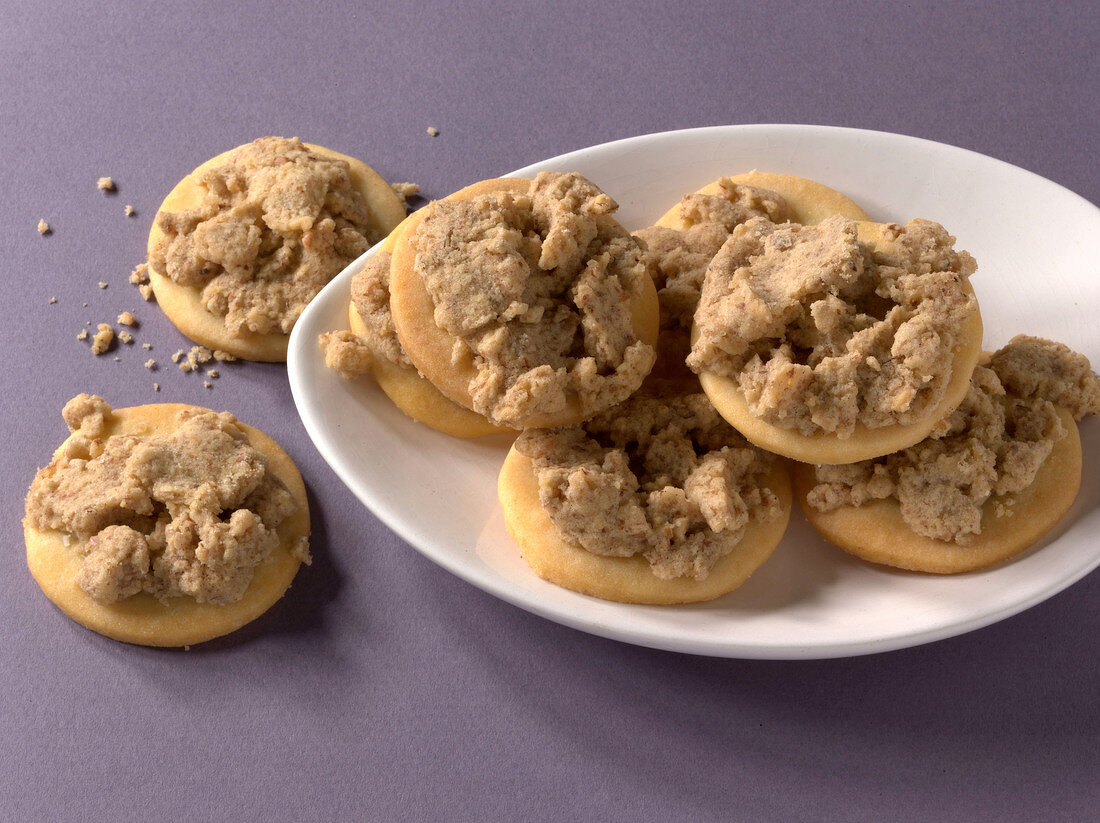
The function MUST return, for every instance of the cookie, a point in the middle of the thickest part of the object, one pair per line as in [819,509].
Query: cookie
[506,387]
[256,326]
[903,380]
[56,559]
[876,531]
[657,501]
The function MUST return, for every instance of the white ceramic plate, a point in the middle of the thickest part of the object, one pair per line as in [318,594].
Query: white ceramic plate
[1036,244]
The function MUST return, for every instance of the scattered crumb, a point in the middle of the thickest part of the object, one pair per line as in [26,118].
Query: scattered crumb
[151,364]
[433,131]
[43,227]
[126,319]
[406,190]
[223,356]
[118,359]
[146,291]
[129,210]
[125,337]
[195,358]
[147,346]
[140,274]
[105,184]
[176,357]
[208,384]
[52,300]
[156,387]
[83,335]
[213,373]
[102,339]
[102,285]
[85,305]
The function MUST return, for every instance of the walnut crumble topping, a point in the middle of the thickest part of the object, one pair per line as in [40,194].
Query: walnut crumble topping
[667,479]
[189,513]
[276,223]
[991,446]
[821,332]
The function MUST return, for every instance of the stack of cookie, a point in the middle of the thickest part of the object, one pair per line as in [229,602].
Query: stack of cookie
[666,385]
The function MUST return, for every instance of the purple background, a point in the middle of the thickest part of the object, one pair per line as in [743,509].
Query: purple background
[381,687]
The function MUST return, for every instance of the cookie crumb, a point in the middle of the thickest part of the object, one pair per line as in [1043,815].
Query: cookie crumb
[43,227]
[83,335]
[213,373]
[118,359]
[208,384]
[126,319]
[223,356]
[151,364]
[146,291]
[147,346]
[102,285]
[52,300]
[140,274]
[405,190]
[85,305]
[433,131]
[129,210]
[102,339]
[195,358]
[105,184]
[125,337]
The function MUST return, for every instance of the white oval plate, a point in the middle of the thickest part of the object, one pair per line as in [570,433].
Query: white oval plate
[1037,245]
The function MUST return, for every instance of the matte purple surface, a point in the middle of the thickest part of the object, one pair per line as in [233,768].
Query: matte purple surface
[381,687]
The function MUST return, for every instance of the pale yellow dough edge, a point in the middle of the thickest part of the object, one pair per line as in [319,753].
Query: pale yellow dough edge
[178,621]
[810,201]
[876,532]
[430,348]
[865,443]
[625,579]
[183,304]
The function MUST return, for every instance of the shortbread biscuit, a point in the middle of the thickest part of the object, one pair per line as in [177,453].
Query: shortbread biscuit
[482,361]
[905,354]
[992,478]
[695,528]
[56,558]
[203,299]
[877,532]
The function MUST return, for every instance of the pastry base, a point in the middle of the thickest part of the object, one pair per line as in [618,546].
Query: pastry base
[177,621]
[876,532]
[624,579]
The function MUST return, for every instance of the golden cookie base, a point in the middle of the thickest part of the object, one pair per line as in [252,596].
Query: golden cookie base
[876,532]
[183,304]
[177,621]
[625,579]
[430,347]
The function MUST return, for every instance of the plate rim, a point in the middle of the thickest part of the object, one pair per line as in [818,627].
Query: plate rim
[493,583]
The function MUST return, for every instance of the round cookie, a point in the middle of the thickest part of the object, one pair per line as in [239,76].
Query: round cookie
[625,579]
[431,349]
[183,304]
[810,202]
[876,531]
[864,443]
[178,621]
